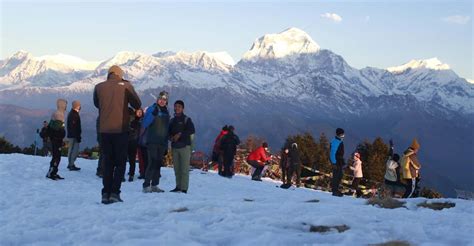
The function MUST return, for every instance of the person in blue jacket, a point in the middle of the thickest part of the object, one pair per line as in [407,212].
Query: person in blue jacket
[337,160]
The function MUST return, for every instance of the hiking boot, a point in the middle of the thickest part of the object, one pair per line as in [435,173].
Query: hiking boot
[130,178]
[156,189]
[176,189]
[114,198]
[105,198]
[73,168]
[338,193]
[257,179]
[56,176]
[184,191]
[147,189]
[50,177]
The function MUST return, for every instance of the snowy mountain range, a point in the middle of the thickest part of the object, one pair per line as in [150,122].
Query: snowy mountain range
[285,84]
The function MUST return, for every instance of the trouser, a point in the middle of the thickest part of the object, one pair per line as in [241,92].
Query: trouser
[336,178]
[56,145]
[73,151]
[409,187]
[156,154]
[132,156]
[258,170]
[142,160]
[46,148]
[228,164]
[114,147]
[181,159]
[100,162]
[294,169]
[355,186]
[284,174]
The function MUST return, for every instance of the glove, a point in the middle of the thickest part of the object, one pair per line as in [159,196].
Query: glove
[155,111]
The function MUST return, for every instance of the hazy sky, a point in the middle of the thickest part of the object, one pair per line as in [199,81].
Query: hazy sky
[365,33]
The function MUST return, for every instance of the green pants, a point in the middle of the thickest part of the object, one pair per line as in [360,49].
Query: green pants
[181,159]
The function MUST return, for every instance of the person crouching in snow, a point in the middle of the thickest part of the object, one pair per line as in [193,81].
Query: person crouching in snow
[356,167]
[56,133]
[410,167]
[257,160]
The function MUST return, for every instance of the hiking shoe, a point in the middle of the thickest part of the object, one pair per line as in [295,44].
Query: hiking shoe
[73,168]
[147,189]
[105,198]
[175,190]
[141,177]
[339,194]
[114,198]
[50,177]
[56,176]
[156,189]
[257,179]
[130,178]
[184,191]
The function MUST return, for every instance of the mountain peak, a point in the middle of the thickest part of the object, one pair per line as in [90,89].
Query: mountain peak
[289,42]
[21,54]
[432,63]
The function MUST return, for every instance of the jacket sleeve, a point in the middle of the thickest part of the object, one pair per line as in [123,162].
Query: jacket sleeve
[148,119]
[132,96]
[96,99]
[190,127]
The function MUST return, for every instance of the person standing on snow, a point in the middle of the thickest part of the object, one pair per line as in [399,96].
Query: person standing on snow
[74,135]
[294,165]
[56,133]
[180,132]
[156,122]
[410,167]
[112,98]
[134,132]
[228,148]
[46,140]
[336,156]
[284,164]
[217,152]
[356,167]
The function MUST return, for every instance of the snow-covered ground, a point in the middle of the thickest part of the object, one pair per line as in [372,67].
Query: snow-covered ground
[35,210]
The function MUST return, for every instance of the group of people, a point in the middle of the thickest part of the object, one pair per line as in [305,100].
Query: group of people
[125,131]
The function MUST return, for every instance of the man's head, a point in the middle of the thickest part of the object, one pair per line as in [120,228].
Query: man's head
[76,105]
[115,70]
[265,146]
[340,132]
[230,128]
[178,107]
[139,113]
[162,99]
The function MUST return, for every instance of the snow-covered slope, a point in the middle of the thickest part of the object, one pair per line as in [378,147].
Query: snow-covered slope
[220,211]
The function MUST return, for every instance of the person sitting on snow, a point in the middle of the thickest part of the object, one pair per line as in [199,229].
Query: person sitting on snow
[257,159]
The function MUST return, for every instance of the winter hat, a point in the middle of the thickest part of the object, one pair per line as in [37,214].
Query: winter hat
[339,131]
[265,144]
[294,145]
[116,70]
[76,104]
[163,95]
[180,102]
[415,145]
[61,107]
[356,154]
[230,128]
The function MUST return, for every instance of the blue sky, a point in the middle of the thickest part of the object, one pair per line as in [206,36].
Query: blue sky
[371,33]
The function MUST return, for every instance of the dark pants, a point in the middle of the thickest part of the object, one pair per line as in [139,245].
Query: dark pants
[100,162]
[294,169]
[284,174]
[258,168]
[355,186]
[114,147]
[46,148]
[410,185]
[228,164]
[156,154]
[220,163]
[142,160]
[132,156]
[336,178]
[56,145]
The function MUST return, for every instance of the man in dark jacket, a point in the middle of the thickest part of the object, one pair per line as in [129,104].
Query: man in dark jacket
[336,156]
[228,147]
[156,122]
[294,165]
[46,140]
[74,135]
[56,133]
[180,131]
[136,117]
[112,98]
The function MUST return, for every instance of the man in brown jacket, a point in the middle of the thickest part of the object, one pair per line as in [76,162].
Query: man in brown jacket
[112,98]
[410,167]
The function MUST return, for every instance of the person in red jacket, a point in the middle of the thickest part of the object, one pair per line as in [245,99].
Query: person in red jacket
[217,156]
[257,160]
